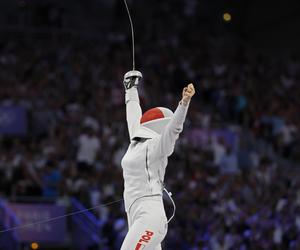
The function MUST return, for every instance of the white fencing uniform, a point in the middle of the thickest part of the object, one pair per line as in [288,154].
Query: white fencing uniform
[144,166]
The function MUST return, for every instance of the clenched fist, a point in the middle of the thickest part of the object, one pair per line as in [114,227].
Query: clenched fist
[187,94]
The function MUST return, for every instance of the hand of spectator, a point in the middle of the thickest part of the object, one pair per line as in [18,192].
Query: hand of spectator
[187,94]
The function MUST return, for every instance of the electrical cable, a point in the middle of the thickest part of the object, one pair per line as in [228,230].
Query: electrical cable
[59,217]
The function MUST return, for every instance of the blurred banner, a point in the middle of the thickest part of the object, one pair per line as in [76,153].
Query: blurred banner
[53,231]
[200,137]
[13,120]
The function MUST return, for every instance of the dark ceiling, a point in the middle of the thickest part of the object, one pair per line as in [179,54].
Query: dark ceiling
[266,24]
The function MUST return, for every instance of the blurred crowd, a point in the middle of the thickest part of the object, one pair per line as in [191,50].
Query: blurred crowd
[240,193]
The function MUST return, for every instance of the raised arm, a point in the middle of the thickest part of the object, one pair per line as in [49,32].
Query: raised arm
[133,109]
[175,126]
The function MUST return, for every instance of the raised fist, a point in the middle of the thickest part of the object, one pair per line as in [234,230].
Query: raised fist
[187,94]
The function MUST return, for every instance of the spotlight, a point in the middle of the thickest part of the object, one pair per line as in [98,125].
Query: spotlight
[34,245]
[227,17]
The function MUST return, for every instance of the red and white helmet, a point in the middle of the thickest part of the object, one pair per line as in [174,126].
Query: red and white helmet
[153,122]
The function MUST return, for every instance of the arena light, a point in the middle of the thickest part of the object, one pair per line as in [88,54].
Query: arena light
[34,245]
[227,17]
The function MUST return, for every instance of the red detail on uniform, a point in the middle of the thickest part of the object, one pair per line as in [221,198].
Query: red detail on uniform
[152,114]
[146,237]
[149,233]
[138,246]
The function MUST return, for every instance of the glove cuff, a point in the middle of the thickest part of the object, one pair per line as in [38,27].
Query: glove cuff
[132,95]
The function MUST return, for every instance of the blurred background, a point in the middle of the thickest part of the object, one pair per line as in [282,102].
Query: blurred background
[235,171]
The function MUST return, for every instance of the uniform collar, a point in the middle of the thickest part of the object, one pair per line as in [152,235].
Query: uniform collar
[145,133]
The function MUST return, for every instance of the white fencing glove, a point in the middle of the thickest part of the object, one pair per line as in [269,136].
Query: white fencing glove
[131,79]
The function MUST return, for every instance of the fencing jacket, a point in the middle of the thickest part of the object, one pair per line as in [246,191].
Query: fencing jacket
[145,161]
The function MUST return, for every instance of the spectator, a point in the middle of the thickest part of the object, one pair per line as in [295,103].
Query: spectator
[88,148]
[219,150]
[51,180]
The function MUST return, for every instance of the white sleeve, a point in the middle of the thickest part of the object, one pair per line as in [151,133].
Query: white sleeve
[171,133]
[133,111]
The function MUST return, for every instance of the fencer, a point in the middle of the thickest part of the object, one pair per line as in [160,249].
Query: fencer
[152,140]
